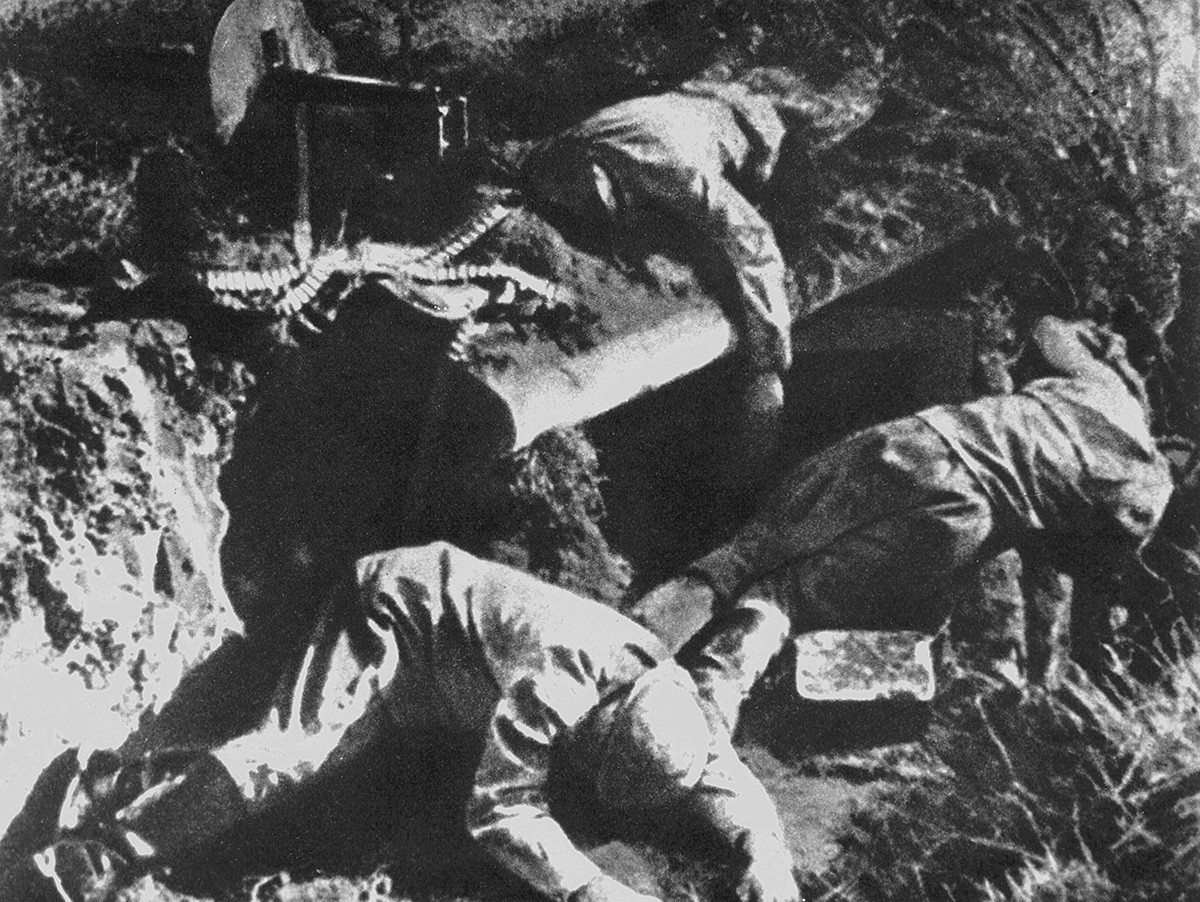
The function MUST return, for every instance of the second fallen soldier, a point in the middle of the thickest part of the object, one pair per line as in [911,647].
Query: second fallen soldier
[867,534]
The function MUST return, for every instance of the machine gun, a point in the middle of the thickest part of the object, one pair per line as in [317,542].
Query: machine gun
[269,51]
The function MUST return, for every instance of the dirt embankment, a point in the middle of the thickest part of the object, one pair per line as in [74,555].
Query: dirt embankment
[117,432]
[112,436]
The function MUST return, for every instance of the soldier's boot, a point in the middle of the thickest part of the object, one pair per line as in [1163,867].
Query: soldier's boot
[122,819]
[729,655]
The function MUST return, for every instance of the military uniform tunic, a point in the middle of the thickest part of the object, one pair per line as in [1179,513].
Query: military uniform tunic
[695,154]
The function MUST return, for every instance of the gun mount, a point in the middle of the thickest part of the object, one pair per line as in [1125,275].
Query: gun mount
[269,49]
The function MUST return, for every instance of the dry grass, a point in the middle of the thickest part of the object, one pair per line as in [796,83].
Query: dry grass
[1088,794]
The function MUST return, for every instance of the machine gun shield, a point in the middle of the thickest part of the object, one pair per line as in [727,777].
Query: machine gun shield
[237,64]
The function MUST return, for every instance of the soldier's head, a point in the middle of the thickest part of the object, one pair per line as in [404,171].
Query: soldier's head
[577,193]
[648,745]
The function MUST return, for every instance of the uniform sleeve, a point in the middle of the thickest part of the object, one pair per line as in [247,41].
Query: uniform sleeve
[757,549]
[509,814]
[732,224]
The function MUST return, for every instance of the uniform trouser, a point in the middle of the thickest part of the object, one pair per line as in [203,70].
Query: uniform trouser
[177,788]
[866,535]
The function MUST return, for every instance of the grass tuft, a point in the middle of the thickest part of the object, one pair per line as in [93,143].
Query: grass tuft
[1087,793]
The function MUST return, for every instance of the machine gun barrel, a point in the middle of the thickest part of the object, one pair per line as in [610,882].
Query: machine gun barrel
[295,86]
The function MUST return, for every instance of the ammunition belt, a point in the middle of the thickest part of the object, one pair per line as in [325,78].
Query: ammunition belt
[285,290]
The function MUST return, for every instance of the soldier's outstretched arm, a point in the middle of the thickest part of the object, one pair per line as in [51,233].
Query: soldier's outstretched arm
[733,223]
[726,222]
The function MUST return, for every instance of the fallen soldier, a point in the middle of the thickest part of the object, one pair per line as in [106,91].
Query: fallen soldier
[700,155]
[442,641]
[867,534]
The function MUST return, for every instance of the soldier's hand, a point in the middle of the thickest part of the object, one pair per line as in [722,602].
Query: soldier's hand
[768,879]
[606,889]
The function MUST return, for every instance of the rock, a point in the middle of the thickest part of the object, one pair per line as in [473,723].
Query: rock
[110,523]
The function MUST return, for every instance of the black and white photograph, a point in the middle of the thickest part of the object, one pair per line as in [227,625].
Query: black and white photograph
[599,450]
